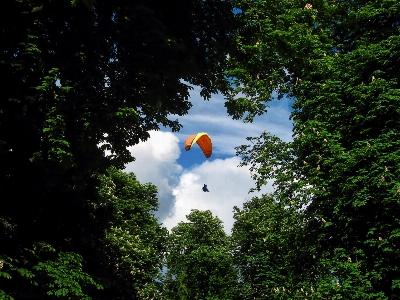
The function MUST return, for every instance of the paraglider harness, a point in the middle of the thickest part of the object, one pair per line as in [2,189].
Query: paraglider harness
[205,189]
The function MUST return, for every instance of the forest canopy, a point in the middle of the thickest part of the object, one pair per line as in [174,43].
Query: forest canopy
[84,77]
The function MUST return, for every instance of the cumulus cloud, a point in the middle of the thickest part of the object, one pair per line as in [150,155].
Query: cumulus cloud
[156,163]
[179,176]
[180,190]
[228,185]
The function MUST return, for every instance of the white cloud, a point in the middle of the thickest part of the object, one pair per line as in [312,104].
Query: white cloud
[228,186]
[156,163]
[180,190]
[180,186]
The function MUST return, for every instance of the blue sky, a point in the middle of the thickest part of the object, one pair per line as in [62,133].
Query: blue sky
[179,174]
[211,117]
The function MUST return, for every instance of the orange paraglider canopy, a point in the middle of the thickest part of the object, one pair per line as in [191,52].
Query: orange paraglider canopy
[203,140]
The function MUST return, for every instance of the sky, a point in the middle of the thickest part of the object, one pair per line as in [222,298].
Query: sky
[179,175]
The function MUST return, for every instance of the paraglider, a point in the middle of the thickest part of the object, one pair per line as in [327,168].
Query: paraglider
[205,144]
[203,140]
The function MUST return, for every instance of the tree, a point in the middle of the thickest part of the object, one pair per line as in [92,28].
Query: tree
[132,249]
[75,79]
[81,79]
[198,259]
[274,42]
[265,236]
[42,272]
[122,262]
[350,99]
[339,60]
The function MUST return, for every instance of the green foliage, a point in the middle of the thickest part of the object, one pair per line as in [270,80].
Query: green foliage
[339,60]
[198,260]
[41,271]
[123,261]
[78,78]
[273,42]
[110,73]
[66,276]
[81,77]
[4,296]
[134,241]
[265,237]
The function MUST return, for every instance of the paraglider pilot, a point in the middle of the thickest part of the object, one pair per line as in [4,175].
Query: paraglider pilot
[205,189]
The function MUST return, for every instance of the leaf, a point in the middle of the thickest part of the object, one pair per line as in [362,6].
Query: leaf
[5,275]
